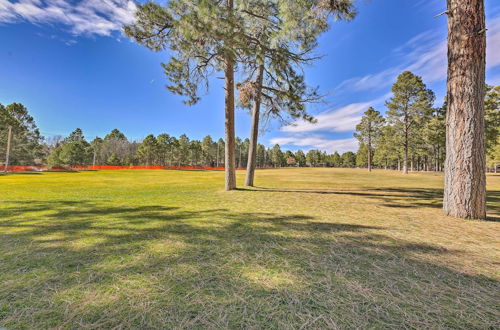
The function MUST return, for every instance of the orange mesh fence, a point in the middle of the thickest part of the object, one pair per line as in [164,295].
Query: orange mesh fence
[113,167]
[19,168]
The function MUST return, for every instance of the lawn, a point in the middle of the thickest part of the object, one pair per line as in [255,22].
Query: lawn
[307,248]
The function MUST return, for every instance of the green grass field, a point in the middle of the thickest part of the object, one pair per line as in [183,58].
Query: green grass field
[307,248]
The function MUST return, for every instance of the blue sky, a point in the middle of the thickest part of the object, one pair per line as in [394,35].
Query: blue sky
[68,62]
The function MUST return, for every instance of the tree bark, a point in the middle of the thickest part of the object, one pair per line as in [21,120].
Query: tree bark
[369,152]
[217,154]
[229,159]
[405,160]
[465,164]
[254,133]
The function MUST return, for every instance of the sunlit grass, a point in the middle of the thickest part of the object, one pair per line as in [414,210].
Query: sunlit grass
[310,248]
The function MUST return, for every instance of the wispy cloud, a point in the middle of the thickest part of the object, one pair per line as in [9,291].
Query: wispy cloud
[317,142]
[86,17]
[425,55]
[493,43]
[303,134]
[342,119]
[430,5]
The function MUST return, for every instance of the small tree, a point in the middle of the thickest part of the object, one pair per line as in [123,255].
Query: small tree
[75,153]
[348,159]
[388,147]
[96,145]
[164,148]
[114,160]
[26,140]
[362,156]
[411,101]
[434,135]
[301,158]
[492,117]
[368,130]
[183,150]
[336,159]
[75,136]
[148,150]
[277,157]
[207,148]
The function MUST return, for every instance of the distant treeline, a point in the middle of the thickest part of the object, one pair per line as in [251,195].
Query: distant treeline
[30,148]
[166,150]
[412,134]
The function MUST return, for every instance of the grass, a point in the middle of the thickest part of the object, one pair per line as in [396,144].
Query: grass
[307,248]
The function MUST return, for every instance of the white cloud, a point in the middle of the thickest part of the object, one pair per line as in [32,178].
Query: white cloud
[87,17]
[338,120]
[343,119]
[493,43]
[318,142]
[426,55]
[369,82]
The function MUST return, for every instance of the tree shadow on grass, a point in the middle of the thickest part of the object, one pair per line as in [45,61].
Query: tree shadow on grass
[86,264]
[397,197]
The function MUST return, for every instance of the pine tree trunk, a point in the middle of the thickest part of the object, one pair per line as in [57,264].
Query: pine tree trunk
[405,161]
[240,150]
[229,159]
[465,179]
[369,152]
[436,161]
[217,154]
[254,133]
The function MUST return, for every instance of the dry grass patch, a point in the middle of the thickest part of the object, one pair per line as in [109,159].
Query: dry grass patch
[310,248]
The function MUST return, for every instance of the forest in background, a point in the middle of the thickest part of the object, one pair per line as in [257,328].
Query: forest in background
[423,126]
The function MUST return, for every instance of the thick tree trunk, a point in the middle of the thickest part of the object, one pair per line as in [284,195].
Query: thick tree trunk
[254,133]
[229,159]
[465,179]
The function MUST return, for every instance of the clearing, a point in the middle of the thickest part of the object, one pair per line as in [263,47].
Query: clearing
[308,248]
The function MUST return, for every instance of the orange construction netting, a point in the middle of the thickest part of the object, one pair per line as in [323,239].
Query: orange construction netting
[16,168]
